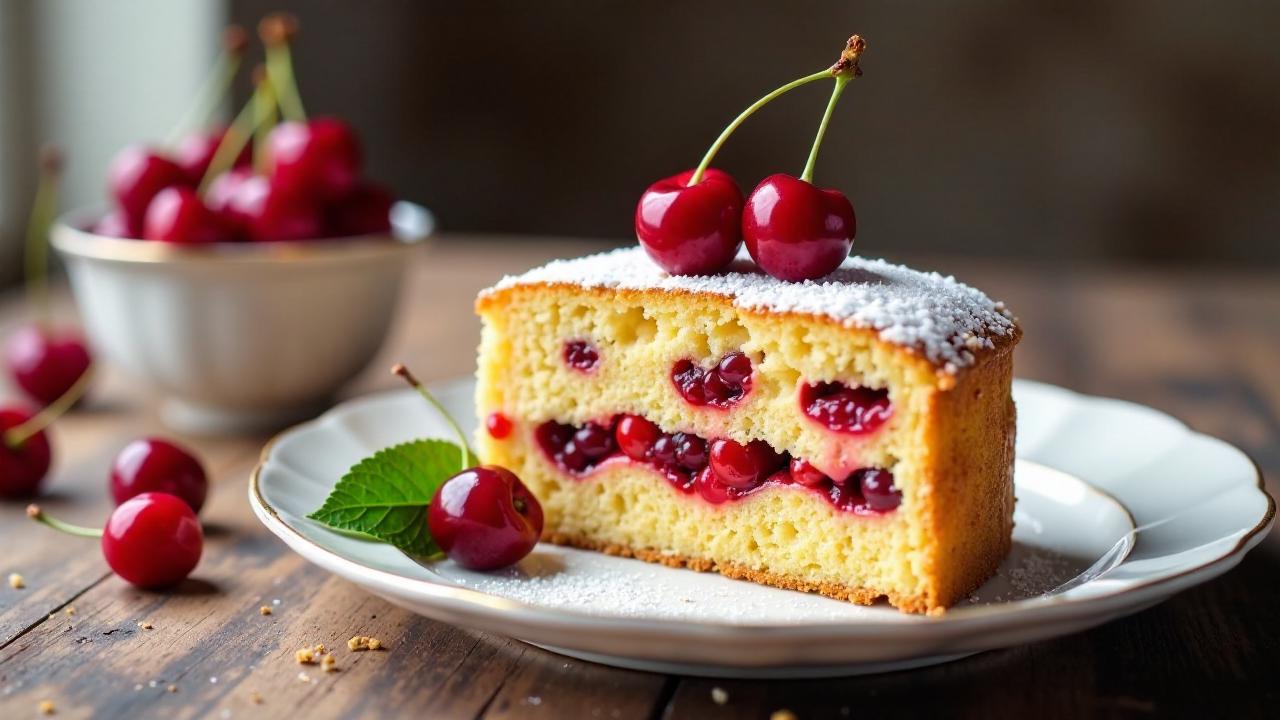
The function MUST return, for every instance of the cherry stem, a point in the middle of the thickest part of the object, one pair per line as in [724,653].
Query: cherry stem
[841,82]
[724,135]
[467,455]
[216,85]
[265,103]
[36,254]
[35,513]
[234,139]
[15,436]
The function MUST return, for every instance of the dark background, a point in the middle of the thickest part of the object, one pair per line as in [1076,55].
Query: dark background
[1128,131]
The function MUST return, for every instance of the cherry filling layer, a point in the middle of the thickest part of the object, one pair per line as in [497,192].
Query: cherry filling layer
[721,385]
[838,407]
[720,470]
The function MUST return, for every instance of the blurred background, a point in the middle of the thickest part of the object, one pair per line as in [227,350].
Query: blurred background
[1136,132]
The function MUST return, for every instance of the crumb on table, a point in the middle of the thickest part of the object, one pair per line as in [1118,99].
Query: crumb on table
[264,610]
[16,581]
[305,656]
[255,697]
[329,663]
[362,642]
[146,625]
[719,695]
[47,708]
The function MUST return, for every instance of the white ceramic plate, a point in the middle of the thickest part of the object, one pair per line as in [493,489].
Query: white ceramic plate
[1119,506]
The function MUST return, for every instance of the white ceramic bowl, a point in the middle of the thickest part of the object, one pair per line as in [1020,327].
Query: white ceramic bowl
[239,336]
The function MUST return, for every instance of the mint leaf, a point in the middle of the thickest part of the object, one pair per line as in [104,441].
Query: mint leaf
[385,496]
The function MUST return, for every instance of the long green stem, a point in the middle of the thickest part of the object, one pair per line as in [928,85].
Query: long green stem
[467,455]
[265,104]
[715,147]
[209,97]
[35,513]
[280,73]
[234,139]
[841,82]
[15,436]
[36,254]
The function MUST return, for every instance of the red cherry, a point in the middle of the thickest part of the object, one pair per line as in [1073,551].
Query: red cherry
[594,440]
[195,151]
[581,355]
[113,224]
[636,436]
[273,215]
[743,466]
[804,473]
[153,540]
[691,230]
[178,215]
[22,468]
[795,230]
[156,465]
[221,199]
[711,488]
[664,450]
[364,211]
[319,158]
[878,489]
[45,365]
[691,451]
[485,518]
[135,177]
[499,425]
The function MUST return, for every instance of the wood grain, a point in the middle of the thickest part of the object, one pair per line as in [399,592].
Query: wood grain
[1201,346]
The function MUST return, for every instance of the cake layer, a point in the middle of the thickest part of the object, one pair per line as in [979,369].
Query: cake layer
[699,358]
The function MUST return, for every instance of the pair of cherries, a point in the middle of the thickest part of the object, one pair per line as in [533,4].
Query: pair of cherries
[793,229]
[694,222]
[152,539]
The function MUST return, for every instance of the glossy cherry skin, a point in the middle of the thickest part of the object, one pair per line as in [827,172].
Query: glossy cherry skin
[319,158]
[113,224]
[22,468]
[221,199]
[743,466]
[195,151]
[153,540]
[136,175]
[178,215]
[271,215]
[366,210]
[45,364]
[636,436]
[795,230]
[484,518]
[691,230]
[157,465]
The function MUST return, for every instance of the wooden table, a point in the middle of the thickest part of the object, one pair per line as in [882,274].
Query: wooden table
[1203,345]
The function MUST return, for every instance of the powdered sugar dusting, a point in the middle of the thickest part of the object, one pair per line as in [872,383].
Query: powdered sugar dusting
[944,319]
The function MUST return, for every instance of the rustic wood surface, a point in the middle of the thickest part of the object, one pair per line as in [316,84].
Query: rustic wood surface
[1203,345]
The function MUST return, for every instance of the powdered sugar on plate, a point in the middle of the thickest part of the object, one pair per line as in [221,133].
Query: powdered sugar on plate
[944,319]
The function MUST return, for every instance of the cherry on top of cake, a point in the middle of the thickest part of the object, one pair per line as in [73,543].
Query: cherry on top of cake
[938,316]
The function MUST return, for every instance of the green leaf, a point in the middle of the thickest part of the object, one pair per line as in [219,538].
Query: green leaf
[385,496]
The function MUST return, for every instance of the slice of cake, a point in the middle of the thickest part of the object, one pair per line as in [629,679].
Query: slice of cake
[852,437]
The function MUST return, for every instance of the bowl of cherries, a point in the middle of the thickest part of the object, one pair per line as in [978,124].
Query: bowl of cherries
[246,271]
